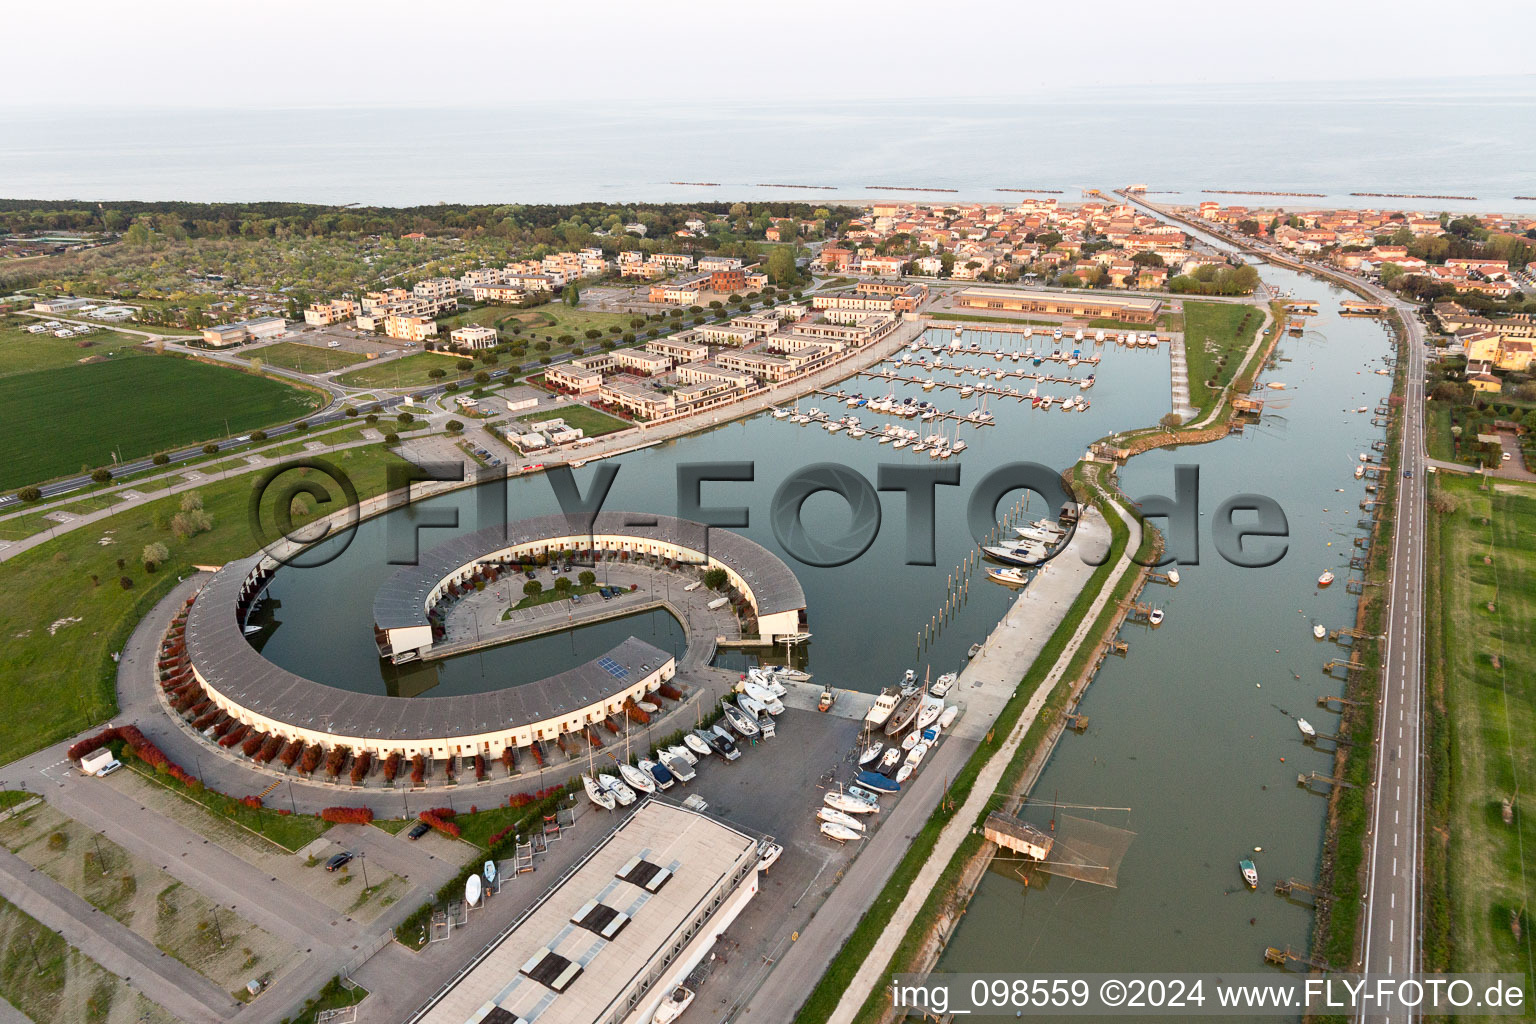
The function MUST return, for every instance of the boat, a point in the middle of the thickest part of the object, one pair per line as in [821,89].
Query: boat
[910,740]
[870,753]
[948,717]
[647,706]
[1023,555]
[679,768]
[622,793]
[1307,732]
[904,773]
[659,772]
[781,413]
[904,713]
[1012,576]
[892,756]
[1155,617]
[942,684]
[973,650]
[673,1006]
[916,754]
[744,724]
[1320,631]
[784,671]
[698,744]
[683,752]
[848,804]
[841,833]
[1326,578]
[1250,873]
[767,680]
[1363,456]
[762,697]
[637,779]
[884,705]
[597,794]
[768,853]
[722,743]
[826,700]
[859,792]
[1359,472]
[1173,577]
[825,813]
[765,723]
[929,713]
[878,783]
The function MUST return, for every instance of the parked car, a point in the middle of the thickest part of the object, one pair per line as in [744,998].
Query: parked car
[606,595]
[418,830]
[339,861]
[575,599]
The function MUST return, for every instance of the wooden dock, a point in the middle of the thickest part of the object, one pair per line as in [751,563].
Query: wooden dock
[1306,779]
[1288,956]
[1295,885]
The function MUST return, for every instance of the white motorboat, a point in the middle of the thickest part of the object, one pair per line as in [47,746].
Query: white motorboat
[916,754]
[744,724]
[1156,617]
[1326,578]
[892,755]
[697,744]
[841,833]
[904,773]
[621,792]
[597,794]
[768,853]
[764,696]
[660,772]
[942,684]
[884,705]
[1320,631]
[720,739]
[870,753]
[1307,732]
[683,752]
[1359,472]
[767,680]
[781,413]
[910,740]
[681,770]
[637,779]
[1173,577]
[673,1006]
[948,717]
[825,813]
[848,804]
[929,712]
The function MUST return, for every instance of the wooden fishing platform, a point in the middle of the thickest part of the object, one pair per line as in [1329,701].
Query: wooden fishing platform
[1306,779]
[1076,722]
[1330,666]
[1158,577]
[1294,885]
[1288,956]
[1328,701]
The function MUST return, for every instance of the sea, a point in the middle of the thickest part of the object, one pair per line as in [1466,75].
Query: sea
[1458,137]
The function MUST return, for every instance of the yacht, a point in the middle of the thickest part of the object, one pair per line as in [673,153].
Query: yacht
[672,1007]
[1023,555]
[848,804]
[884,705]
[637,779]
[719,740]
[1013,576]
[744,724]
[781,413]
[1156,617]
[622,793]
[942,684]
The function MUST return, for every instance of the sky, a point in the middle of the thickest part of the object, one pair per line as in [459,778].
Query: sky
[479,53]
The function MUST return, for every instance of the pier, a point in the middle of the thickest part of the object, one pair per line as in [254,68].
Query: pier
[1288,956]
[1295,885]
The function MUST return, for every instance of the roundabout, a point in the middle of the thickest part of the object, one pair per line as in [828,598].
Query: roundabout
[235,688]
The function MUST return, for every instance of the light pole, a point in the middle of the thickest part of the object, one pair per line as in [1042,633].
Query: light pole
[362,861]
[96,839]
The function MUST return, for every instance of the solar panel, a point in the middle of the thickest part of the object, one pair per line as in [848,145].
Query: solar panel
[613,668]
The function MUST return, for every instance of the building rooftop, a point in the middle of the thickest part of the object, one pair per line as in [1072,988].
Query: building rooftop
[581,954]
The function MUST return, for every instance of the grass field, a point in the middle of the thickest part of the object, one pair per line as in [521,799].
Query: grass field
[556,318]
[63,611]
[1482,610]
[21,352]
[1215,336]
[62,419]
[588,421]
[406,372]
[293,355]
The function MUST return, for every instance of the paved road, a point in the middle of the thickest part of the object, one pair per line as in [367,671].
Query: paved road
[1390,943]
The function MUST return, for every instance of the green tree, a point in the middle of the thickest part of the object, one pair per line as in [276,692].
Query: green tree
[533,588]
[571,294]
[563,585]
[781,267]
[454,427]
[587,577]
[437,373]
[715,578]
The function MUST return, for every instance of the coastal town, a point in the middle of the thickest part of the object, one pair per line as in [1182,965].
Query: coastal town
[649,761]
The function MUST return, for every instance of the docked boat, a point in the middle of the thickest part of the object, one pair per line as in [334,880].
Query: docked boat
[868,796]
[622,793]
[1307,732]
[639,780]
[597,794]
[681,751]
[878,783]
[1359,472]
[1173,577]
[722,743]
[659,772]
[1320,631]
[841,833]
[698,744]
[1027,556]
[1326,578]
[891,759]
[1010,576]
[1250,873]
[672,1007]
[903,773]
[1155,617]
[910,740]
[679,767]
[744,724]
[870,753]
[781,413]
[942,684]
[767,682]
[948,717]
[849,804]
[929,713]
[905,712]
[884,705]
[915,755]
[973,650]
[825,813]
[768,853]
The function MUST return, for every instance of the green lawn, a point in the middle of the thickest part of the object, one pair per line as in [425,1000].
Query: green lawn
[1438,438]
[588,421]
[1215,337]
[406,372]
[62,419]
[293,355]
[557,318]
[61,626]
[21,352]
[1482,615]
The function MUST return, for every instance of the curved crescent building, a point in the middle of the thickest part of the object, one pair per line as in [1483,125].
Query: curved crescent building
[269,698]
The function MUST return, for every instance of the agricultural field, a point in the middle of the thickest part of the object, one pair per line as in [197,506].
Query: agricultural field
[405,372]
[21,352]
[293,355]
[64,607]
[1482,683]
[62,419]
[588,421]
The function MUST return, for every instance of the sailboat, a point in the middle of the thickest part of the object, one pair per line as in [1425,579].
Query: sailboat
[841,833]
[637,779]
[622,793]
[848,804]
[837,817]
[597,794]
[870,753]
